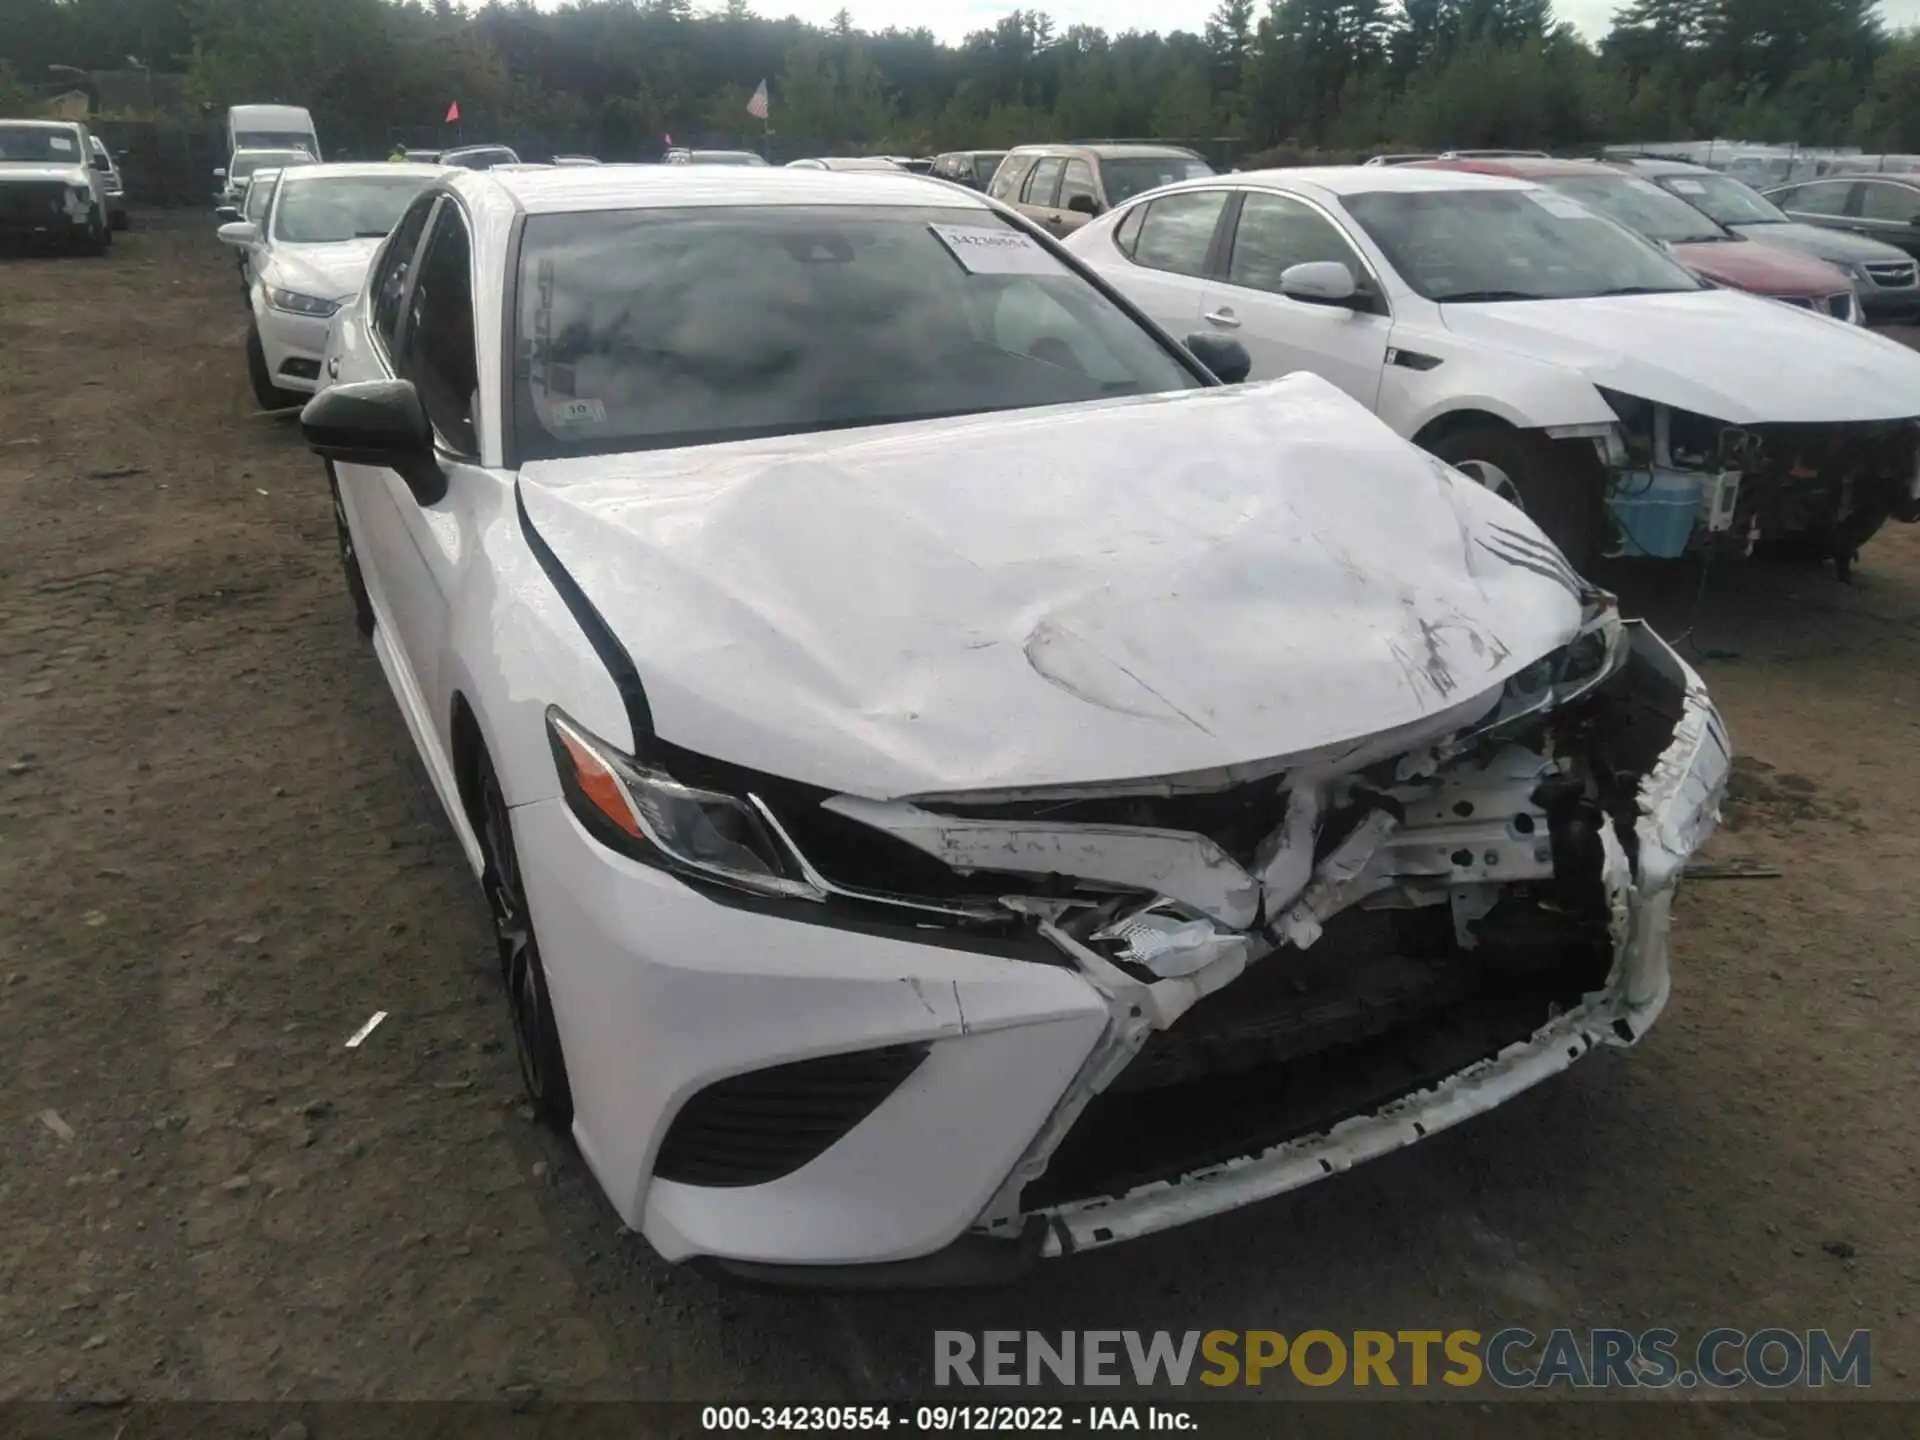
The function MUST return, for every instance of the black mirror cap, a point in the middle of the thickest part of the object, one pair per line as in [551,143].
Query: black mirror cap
[378,423]
[1083,204]
[1226,359]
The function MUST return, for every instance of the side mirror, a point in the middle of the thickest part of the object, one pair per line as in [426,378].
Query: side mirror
[1083,204]
[239,232]
[380,423]
[101,162]
[1319,282]
[1227,359]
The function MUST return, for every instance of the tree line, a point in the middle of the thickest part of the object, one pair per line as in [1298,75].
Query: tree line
[1289,79]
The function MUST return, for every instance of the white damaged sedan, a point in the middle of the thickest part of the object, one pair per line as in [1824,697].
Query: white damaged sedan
[953,783]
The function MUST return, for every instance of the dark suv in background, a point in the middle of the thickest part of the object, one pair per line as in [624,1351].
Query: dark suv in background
[971,168]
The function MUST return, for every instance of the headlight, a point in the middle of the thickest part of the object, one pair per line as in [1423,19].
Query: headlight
[294,303]
[649,816]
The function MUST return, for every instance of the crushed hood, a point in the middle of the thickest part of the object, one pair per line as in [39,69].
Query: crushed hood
[1842,246]
[1762,269]
[1060,596]
[330,272]
[1713,352]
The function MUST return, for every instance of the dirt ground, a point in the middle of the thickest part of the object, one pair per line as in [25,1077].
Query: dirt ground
[219,856]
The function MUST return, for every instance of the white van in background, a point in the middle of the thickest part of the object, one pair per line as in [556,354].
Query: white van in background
[271,127]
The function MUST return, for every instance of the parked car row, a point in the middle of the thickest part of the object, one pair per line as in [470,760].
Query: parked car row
[954,781]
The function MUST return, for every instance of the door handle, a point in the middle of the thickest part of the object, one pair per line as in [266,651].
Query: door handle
[333,367]
[1055,221]
[1222,317]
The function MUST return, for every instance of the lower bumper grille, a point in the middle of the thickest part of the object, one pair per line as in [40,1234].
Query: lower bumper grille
[33,204]
[1841,306]
[1379,1008]
[1891,276]
[757,1127]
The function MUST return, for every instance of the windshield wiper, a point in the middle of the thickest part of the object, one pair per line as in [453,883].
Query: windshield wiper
[1638,290]
[1473,297]
[371,234]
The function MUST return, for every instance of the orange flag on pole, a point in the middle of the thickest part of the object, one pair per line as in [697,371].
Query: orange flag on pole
[453,112]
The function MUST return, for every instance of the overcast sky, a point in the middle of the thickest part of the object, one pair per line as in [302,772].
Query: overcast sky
[953,19]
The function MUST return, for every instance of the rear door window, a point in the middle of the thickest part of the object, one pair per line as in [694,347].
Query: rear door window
[1880,200]
[1177,231]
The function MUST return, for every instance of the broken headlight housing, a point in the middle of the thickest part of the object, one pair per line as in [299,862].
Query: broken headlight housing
[649,816]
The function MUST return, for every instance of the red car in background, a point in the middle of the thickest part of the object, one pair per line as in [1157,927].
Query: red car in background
[1702,245]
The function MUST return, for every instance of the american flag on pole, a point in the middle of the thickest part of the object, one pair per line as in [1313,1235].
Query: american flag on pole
[757,106]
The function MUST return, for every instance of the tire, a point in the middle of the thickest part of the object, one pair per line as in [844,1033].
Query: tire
[1560,495]
[119,221]
[536,1038]
[270,395]
[95,241]
[349,561]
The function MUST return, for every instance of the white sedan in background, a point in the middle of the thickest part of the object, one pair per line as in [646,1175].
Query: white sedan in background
[1541,348]
[954,783]
[305,257]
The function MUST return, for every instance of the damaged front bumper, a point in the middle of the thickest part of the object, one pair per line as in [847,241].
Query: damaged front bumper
[1126,1012]
[1676,806]
[1679,482]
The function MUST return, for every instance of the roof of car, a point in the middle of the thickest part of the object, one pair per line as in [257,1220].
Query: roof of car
[1117,151]
[42,124]
[642,187]
[1520,167]
[1660,165]
[362,168]
[1371,179]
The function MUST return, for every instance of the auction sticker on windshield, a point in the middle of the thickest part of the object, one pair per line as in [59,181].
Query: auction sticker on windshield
[60,142]
[1560,205]
[1689,187]
[579,412]
[984,251]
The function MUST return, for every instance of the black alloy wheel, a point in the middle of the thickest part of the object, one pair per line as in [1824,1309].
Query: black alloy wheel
[536,1038]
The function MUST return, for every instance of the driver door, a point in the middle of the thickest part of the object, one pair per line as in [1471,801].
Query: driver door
[1344,344]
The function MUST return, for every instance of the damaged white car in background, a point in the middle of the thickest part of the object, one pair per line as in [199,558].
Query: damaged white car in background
[953,783]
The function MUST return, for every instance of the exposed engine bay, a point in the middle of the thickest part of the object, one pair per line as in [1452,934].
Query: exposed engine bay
[1679,481]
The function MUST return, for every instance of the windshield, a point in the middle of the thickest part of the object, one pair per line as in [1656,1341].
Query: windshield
[273,140]
[43,144]
[1127,177]
[328,209]
[1725,199]
[1641,206]
[661,328]
[1484,245]
[241,166]
[986,163]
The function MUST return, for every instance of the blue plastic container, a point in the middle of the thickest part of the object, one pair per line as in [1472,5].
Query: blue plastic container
[1656,511]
